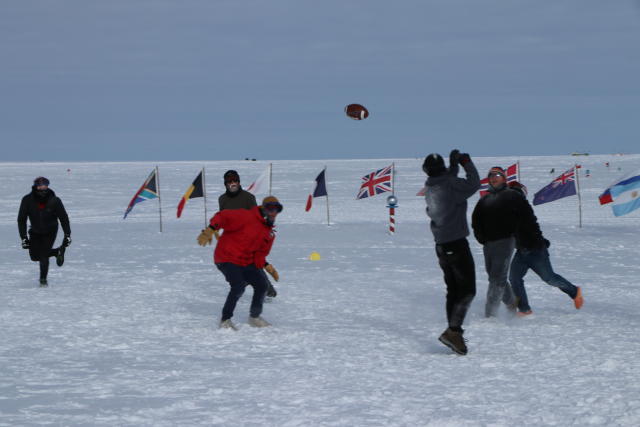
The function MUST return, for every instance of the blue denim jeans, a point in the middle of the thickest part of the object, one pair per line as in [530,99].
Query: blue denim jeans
[239,277]
[538,261]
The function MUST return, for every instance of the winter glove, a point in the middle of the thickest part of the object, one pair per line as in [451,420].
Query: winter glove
[216,234]
[206,236]
[66,241]
[25,243]
[454,158]
[464,158]
[272,271]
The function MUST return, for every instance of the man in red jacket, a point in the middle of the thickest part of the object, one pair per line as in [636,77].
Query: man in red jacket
[241,252]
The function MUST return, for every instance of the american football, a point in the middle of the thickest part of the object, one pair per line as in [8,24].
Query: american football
[356,111]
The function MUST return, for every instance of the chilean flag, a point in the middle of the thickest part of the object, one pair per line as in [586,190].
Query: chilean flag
[319,190]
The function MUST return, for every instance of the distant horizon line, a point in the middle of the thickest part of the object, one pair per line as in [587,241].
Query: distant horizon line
[576,154]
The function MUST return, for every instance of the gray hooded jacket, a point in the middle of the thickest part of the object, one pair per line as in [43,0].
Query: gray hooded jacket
[446,197]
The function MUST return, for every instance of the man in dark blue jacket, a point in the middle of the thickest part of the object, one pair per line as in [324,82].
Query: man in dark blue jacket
[446,196]
[44,210]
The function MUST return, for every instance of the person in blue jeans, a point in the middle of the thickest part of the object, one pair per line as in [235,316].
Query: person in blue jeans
[532,254]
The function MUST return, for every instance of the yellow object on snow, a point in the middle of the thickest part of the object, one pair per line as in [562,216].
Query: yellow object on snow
[315,256]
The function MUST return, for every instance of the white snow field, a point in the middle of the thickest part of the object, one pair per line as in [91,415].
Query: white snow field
[126,333]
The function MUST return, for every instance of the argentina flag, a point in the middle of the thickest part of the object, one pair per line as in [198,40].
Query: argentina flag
[623,195]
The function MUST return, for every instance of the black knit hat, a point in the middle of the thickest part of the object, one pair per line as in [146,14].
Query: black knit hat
[41,180]
[231,174]
[434,165]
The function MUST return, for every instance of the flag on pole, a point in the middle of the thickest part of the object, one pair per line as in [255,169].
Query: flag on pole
[319,190]
[376,182]
[149,190]
[562,186]
[195,190]
[261,184]
[512,175]
[624,194]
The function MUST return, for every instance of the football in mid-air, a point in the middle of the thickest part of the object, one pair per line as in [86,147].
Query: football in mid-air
[356,111]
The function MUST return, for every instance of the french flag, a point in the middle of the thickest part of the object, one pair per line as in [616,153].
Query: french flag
[319,190]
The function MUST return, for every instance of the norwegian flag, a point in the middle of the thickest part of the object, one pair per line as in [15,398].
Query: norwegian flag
[512,175]
[562,186]
[376,182]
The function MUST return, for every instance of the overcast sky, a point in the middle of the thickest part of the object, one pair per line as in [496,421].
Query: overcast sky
[269,79]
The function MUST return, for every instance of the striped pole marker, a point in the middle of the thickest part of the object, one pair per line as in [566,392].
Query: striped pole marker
[392,220]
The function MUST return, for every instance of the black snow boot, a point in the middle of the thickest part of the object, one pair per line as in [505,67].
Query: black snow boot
[454,340]
[43,283]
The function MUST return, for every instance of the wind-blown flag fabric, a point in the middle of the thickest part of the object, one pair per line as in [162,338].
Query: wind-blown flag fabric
[512,175]
[376,182]
[319,190]
[149,190]
[195,190]
[562,186]
[261,184]
[624,194]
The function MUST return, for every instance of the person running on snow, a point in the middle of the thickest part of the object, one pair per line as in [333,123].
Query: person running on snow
[44,210]
[241,253]
[446,196]
[532,253]
[235,197]
[493,226]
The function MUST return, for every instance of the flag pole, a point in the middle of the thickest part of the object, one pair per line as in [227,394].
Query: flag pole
[159,198]
[392,207]
[325,184]
[204,194]
[270,176]
[575,166]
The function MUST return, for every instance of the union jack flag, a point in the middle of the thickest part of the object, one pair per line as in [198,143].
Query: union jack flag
[512,175]
[562,186]
[376,182]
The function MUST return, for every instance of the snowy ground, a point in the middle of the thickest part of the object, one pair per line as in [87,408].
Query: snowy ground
[126,333]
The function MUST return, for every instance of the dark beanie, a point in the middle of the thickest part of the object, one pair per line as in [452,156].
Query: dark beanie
[434,165]
[41,180]
[231,174]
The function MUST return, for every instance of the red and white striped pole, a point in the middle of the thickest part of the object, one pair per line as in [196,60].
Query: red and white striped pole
[392,203]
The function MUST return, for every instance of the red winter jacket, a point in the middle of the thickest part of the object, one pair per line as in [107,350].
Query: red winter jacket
[246,240]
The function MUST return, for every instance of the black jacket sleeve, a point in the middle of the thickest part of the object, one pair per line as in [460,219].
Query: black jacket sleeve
[61,213]
[476,223]
[22,219]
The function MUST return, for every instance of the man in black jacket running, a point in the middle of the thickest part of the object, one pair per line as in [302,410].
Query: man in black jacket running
[44,210]
[494,224]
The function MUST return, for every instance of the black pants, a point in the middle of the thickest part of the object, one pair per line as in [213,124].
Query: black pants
[459,270]
[41,249]
[238,278]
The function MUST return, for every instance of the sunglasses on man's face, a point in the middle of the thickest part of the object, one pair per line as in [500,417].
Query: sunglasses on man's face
[496,174]
[231,180]
[273,207]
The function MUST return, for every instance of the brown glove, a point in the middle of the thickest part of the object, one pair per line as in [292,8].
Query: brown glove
[206,236]
[269,268]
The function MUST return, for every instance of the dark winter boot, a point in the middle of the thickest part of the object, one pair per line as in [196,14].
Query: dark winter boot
[43,283]
[60,256]
[271,291]
[454,340]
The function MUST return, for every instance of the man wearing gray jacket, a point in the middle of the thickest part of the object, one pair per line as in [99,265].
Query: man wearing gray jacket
[446,196]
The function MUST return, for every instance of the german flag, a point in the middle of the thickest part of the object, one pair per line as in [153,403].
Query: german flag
[195,190]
